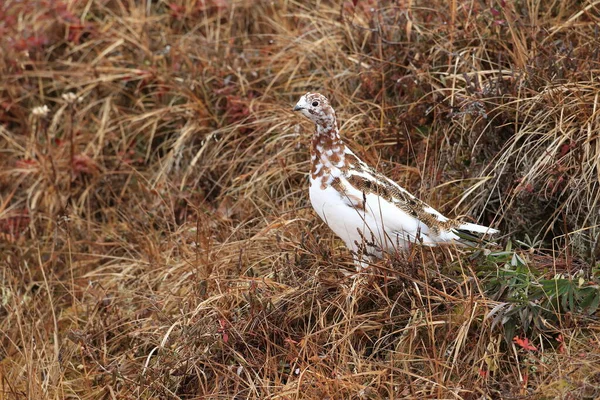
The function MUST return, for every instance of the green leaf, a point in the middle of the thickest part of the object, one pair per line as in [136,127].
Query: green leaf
[516,260]
[590,300]
[509,330]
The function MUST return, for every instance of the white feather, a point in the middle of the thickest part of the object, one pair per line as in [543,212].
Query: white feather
[357,217]
[375,219]
[467,226]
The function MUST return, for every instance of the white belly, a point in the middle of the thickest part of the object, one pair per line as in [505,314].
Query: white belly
[354,226]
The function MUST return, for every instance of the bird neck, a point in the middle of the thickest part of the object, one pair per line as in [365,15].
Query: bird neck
[327,149]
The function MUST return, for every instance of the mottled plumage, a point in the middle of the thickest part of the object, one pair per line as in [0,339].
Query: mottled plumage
[371,213]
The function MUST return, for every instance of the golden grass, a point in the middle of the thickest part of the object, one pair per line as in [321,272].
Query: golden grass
[156,237]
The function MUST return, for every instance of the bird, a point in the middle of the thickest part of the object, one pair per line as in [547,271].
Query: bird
[371,213]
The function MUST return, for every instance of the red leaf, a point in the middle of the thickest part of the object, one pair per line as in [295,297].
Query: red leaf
[223,330]
[26,164]
[564,149]
[524,343]
[83,164]
[561,346]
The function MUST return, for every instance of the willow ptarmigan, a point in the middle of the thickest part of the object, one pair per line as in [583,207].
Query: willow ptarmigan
[368,211]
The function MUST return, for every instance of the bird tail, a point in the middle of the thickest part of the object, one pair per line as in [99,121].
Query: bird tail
[473,234]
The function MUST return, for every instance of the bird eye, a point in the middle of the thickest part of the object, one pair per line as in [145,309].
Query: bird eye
[315,103]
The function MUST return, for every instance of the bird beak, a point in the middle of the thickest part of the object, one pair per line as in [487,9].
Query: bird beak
[298,108]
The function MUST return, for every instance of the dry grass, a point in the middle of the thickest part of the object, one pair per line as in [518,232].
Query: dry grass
[156,237]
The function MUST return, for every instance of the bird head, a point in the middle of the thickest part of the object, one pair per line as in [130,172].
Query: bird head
[315,107]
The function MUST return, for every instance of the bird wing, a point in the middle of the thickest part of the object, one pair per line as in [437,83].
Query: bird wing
[402,212]
[371,197]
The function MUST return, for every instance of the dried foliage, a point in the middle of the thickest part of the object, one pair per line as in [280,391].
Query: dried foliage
[156,239]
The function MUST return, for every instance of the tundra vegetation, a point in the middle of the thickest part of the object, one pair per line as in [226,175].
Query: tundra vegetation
[156,239]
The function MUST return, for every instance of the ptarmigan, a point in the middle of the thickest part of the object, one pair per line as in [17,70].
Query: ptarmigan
[371,213]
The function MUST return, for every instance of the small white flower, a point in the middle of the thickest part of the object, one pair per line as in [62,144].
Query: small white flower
[71,97]
[40,111]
